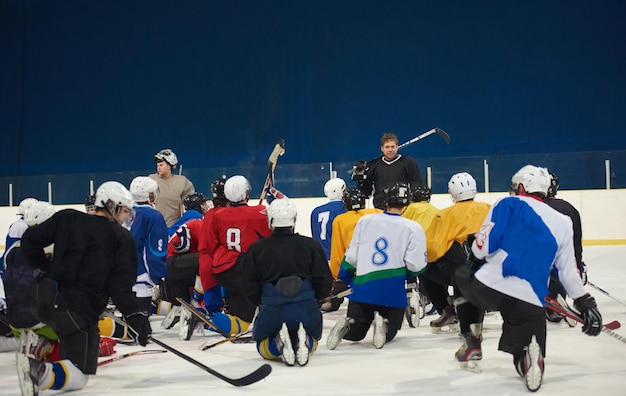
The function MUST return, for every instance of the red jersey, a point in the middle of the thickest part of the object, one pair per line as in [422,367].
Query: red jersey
[185,239]
[233,230]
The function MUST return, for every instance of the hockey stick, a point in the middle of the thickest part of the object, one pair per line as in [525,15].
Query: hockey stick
[234,338]
[433,131]
[251,378]
[342,294]
[606,293]
[606,328]
[126,355]
[279,149]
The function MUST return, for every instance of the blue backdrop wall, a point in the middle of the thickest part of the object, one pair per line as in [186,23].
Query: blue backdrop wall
[96,86]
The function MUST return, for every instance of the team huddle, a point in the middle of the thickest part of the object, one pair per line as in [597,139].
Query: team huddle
[76,283]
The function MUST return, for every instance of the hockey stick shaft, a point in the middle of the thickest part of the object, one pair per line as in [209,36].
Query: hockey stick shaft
[251,378]
[127,355]
[342,294]
[279,149]
[433,131]
[556,306]
[224,341]
[606,293]
[198,315]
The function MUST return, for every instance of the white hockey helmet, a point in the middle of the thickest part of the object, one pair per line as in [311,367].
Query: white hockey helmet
[142,186]
[168,156]
[25,204]
[534,178]
[335,188]
[237,188]
[282,213]
[38,212]
[462,187]
[112,195]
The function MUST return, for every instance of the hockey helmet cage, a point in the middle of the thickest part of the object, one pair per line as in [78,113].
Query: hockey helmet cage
[38,212]
[25,204]
[398,195]
[237,189]
[282,213]
[90,203]
[195,201]
[112,195]
[421,194]
[168,156]
[354,199]
[554,185]
[534,179]
[217,187]
[141,187]
[462,187]
[335,188]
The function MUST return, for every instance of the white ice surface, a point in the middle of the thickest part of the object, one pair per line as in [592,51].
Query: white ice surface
[416,362]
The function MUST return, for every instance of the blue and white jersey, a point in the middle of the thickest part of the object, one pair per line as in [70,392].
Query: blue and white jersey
[16,230]
[384,250]
[150,233]
[521,239]
[321,222]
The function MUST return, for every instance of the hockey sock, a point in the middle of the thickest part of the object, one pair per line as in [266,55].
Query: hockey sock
[107,327]
[268,349]
[229,324]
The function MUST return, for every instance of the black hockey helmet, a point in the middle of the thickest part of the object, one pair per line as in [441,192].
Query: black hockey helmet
[398,195]
[195,201]
[554,185]
[421,193]
[217,189]
[354,199]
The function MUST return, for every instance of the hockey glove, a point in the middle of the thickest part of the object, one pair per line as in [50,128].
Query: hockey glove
[107,346]
[273,194]
[139,327]
[331,303]
[590,313]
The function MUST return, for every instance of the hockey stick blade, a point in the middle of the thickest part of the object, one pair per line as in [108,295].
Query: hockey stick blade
[251,378]
[127,355]
[433,131]
[279,149]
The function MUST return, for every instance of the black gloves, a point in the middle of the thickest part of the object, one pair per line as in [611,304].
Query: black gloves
[589,311]
[139,326]
[333,304]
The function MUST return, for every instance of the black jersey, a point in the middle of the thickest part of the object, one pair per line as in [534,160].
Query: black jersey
[93,259]
[382,174]
[567,209]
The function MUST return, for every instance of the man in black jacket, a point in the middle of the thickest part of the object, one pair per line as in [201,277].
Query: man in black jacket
[386,170]
[93,258]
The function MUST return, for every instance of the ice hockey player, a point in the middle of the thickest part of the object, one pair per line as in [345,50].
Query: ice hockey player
[562,206]
[385,249]
[322,216]
[505,275]
[226,236]
[150,233]
[444,239]
[343,228]
[94,258]
[288,275]
[19,226]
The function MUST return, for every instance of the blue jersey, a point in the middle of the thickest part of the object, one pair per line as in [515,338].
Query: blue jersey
[321,223]
[521,239]
[150,233]
[187,216]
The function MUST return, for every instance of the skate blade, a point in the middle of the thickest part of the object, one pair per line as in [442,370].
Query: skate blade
[447,329]
[471,366]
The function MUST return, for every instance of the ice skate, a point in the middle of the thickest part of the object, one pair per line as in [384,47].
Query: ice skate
[414,310]
[304,349]
[446,323]
[283,342]
[533,365]
[561,300]
[172,317]
[187,324]
[380,331]
[336,333]
[28,374]
[470,352]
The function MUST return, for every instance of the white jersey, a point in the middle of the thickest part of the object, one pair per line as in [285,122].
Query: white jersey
[521,239]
